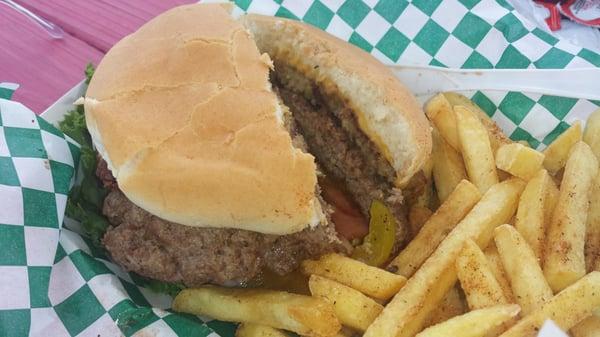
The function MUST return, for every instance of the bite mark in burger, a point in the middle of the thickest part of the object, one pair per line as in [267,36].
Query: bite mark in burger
[212,151]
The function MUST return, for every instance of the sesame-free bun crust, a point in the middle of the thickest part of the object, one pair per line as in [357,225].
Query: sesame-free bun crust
[385,109]
[184,115]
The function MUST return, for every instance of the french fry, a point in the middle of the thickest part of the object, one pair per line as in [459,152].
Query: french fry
[592,237]
[405,314]
[346,332]
[257,330]
[564,261]
[305,315]
[495,264]
[371,281]
[591,135]
[519,160]
[552,194]
[454,209]
[531,218]
[477,323]
[448,166]
[497,137]
[476,149]
[557,153]
[589,327]
[417,217]
[566,309]
[440,113]
[522,269]
[476,278]
[353,308]
[425,199]
[524,143]
[453,304]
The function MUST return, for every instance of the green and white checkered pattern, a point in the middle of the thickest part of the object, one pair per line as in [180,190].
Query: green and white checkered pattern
[7,89]
[449,33]
[91,295]
[535,118]
[36,167]
[63,286]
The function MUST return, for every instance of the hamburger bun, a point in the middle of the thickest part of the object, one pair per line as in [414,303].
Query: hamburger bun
[385,109]
[184,115]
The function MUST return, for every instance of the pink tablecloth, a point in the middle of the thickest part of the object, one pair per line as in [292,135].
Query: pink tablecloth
[47,68]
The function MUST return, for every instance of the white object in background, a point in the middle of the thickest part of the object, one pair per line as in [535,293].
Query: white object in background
[53,30]
[9,85]
[56,112]
[550,329]
[425,81]
[579,35]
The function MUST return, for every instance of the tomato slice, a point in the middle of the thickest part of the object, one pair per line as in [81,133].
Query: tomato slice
[347,218]
[349,226]
[378,244]
[338,198]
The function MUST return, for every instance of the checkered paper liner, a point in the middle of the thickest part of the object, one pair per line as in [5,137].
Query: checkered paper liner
[63,286]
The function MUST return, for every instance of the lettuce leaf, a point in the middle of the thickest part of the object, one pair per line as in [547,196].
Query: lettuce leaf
[89,72]
[85,200]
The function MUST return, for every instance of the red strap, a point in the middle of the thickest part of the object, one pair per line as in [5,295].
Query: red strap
[553,21]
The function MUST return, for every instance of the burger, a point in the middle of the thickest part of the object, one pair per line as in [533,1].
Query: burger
[233,146]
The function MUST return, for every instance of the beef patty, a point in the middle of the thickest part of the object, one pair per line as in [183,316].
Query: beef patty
[166,251]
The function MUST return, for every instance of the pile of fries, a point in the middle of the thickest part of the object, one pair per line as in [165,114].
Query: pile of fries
[505,238]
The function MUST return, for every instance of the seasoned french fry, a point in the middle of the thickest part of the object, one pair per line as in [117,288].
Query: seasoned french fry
[522,269]
[405,314]
[428,168]
[495,263]
[566,309]
[417,217]
[476,149]
[552,194]
[477,323]
[425,199]
[497,136]
[453,304]
[592,237]
[305,315]
[591,135]
[346,332]
[476,278]
[257,330]
[440,113]
[589,327]
[353,308]
[557,153]
[448,166]
[369,280]
[519,160]
[564,261]
[454,209]
[531,218]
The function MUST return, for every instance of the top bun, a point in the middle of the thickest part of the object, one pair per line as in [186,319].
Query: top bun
[184,115]
[386,110]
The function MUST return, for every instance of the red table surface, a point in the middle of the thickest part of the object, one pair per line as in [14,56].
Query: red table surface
[46,68]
